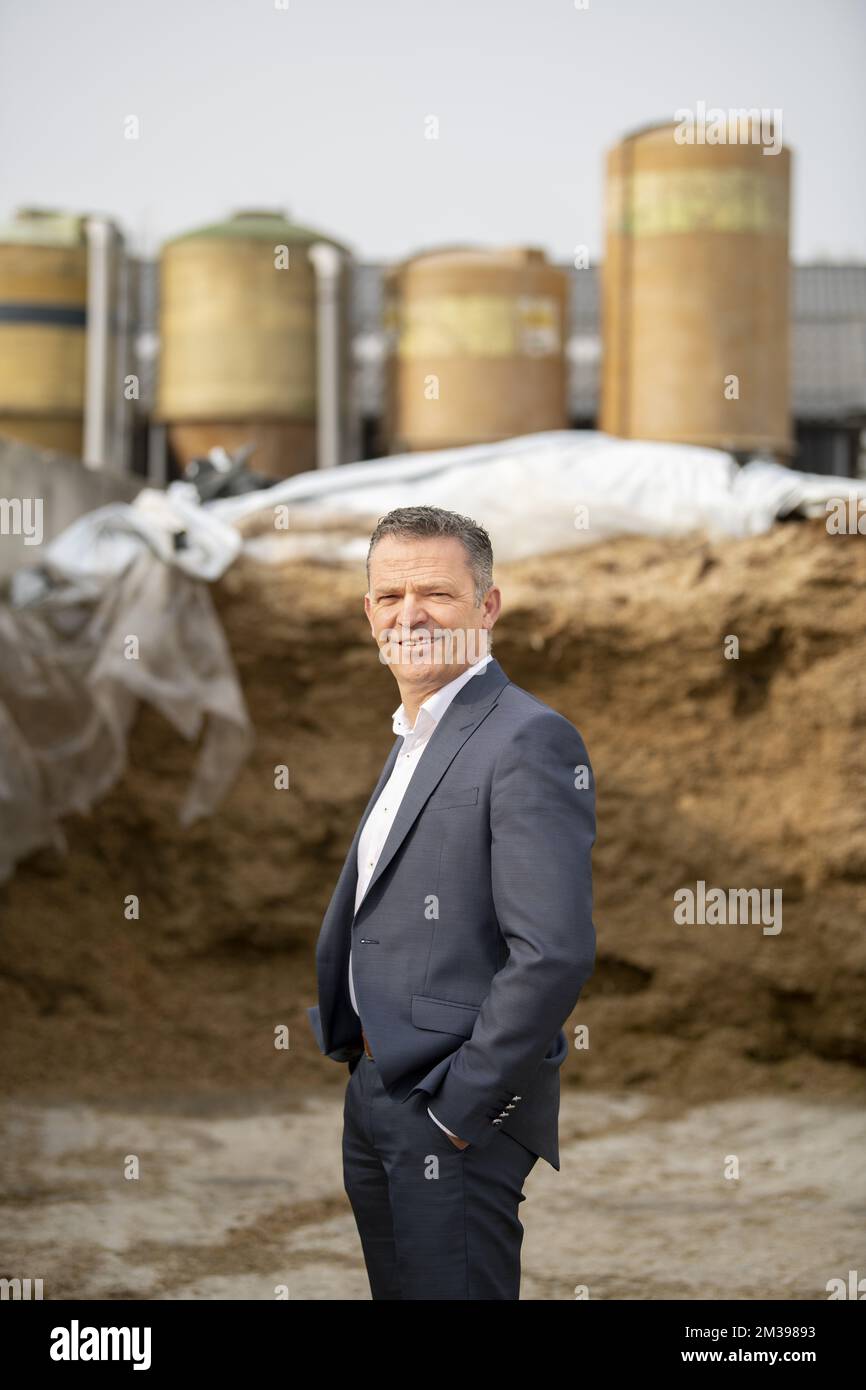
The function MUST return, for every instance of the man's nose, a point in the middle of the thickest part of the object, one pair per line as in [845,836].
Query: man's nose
[411,613]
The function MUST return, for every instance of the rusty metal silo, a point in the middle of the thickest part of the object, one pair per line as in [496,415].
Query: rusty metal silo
[695,315]
[476,347]
[239,340]
[43,317]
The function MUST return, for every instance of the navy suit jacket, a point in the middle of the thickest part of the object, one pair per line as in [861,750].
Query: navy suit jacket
[475,936]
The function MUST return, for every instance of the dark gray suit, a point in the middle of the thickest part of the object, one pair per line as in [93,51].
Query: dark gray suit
[470,949]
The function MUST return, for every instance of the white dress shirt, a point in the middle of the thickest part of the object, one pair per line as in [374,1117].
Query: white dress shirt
[378,824]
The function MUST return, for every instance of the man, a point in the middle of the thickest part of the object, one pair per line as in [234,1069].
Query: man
[460,932]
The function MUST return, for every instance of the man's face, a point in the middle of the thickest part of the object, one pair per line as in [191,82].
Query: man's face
[422,609]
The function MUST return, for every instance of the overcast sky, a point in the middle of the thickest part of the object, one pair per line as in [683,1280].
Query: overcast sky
[320,108]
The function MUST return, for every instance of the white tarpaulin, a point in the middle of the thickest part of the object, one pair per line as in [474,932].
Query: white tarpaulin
[117,617]
[535,494]
[70,679]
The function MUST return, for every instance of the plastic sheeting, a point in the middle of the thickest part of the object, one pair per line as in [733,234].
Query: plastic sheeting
[534,494]
[71,679]
[74,665]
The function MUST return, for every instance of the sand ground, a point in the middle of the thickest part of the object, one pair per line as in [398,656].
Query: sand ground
[234,1205]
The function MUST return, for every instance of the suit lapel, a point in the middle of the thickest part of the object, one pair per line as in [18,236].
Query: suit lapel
[343,897]
[472,703]
[470,706]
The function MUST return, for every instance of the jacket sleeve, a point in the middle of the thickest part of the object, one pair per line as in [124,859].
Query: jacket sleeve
[542,822]
[340,1054]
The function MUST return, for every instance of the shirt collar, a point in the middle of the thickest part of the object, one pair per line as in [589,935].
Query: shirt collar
[433,708]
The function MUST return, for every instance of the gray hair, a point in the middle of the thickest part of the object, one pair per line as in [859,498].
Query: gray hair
[435,521]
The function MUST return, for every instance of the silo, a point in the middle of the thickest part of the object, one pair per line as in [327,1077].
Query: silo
[238,338]
[695,291]
[43,312]
[476,347]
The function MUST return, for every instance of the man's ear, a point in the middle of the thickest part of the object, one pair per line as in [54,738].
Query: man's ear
[493,605]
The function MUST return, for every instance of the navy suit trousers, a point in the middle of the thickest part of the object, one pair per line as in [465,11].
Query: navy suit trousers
[435,1221]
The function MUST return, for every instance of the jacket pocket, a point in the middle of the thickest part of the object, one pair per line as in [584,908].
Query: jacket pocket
[454,796]
[440,1133]
[444,1016]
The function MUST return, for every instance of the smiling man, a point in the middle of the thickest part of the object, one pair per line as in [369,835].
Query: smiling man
[459,934]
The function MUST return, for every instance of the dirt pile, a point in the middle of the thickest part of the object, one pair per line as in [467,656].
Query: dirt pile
[747,773]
